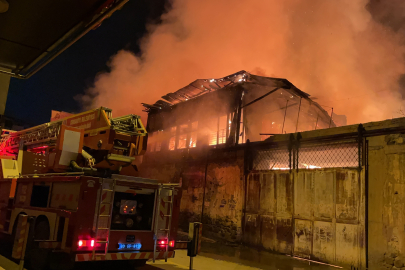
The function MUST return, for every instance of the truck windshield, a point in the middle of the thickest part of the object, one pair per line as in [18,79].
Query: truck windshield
[128,207]
[133,211]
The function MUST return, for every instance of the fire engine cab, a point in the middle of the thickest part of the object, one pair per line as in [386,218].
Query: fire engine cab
[76,179]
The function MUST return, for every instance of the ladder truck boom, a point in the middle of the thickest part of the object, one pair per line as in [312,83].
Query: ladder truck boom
[92,139]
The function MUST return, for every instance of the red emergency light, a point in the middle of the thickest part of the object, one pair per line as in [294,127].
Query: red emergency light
[86,243]
[164,242]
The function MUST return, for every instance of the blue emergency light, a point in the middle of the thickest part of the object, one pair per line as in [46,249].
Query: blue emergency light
[136,246]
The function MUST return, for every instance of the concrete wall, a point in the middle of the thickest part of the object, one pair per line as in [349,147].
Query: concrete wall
[224,201]
[386,209]
[222,177]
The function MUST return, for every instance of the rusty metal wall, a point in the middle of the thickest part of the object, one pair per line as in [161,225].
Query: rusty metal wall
[316,214]
[269,208]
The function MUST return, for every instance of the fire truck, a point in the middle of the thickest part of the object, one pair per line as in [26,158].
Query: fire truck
[77,181]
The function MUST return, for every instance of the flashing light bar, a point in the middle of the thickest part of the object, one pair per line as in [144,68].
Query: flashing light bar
[130,246]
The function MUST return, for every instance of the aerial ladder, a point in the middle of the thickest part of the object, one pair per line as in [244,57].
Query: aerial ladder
[92,141]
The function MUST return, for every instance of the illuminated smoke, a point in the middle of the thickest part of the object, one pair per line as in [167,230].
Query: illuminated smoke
[333,50]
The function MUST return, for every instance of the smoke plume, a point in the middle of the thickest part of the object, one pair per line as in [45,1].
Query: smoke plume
[340,52]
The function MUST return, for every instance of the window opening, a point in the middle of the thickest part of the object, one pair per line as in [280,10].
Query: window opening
[222,129]
[39,196]
[193,135]
[213,131]
[182,143]
[172,141]
[133,211]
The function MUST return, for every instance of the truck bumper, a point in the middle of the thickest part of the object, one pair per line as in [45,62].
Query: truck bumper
[123,256]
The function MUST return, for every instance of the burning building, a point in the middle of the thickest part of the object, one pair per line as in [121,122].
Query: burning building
[197,135]
[334,195]
[231,110]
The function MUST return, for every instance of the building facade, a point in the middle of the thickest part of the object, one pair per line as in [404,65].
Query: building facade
[259,165]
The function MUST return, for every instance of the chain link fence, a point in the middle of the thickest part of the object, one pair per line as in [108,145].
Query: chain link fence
[332,155]
[337,154]
[272,159]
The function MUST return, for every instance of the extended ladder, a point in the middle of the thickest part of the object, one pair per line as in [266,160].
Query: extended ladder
[43,134]
[104,213]
[164,211]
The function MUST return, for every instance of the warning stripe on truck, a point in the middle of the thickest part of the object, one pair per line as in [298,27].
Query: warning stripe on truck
[123,256]
[22,226]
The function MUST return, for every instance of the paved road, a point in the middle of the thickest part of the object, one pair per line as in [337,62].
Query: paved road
[202,262]
[181,262]
[213,257]
[219,257]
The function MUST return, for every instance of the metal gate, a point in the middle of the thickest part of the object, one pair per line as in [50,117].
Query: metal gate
[316,212]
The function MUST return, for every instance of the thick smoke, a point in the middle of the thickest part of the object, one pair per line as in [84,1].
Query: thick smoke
[336,51]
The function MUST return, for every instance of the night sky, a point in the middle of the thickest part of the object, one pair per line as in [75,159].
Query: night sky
[55,86]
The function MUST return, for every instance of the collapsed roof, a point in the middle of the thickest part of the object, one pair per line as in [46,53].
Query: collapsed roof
[201,87]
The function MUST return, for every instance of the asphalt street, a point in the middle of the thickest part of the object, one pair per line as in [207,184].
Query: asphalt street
[213,257]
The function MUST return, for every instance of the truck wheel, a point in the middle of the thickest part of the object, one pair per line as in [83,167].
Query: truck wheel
[7,245]
[61,261]
[38,259]
[42,230]
[137,263]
